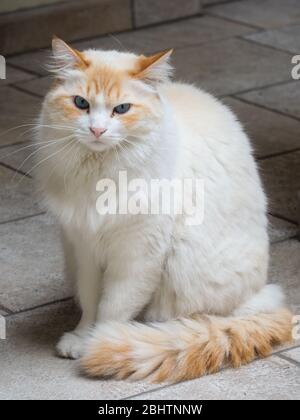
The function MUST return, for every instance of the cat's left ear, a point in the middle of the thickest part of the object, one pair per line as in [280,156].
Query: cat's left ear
[65,56]
[155,68]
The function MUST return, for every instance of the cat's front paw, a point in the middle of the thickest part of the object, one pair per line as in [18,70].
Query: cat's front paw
[71,345]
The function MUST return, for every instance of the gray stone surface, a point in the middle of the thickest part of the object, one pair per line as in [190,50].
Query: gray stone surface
[30,369]
[34,61]
[285,270]
[17,110]
[14,75]
[31,264]
[281,176]
[148,12]
[232,66]
[247,383]
[20,156]
[284,98]
[280,230]
[286,38]
[38,86]
[17,196]
[269,132]
[261,13]
[293,354]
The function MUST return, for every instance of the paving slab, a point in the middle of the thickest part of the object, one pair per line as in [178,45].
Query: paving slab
[33,61]
[38,86]
[293,354]
[285,38]
[215,68]
[20,156]
[280,230]
[285,270]
[17,196]
[147,13]
[18,110]
[284,98]
[31,370]
[246,383]
[14,75]
[31,264]
[269,132]
[281,177]
[261,13]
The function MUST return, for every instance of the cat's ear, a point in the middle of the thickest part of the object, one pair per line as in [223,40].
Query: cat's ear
[155,68]
[66,57]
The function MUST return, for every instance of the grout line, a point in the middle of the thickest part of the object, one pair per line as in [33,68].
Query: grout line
[15,170]
[258,28]
[241,92]
[286,219]
[18,219]
[277,154]
[4,146]
[276,111]
[219,3]
[3,308]
[28,71]
[28,92]
[288,359]
[133,11]
[265,45]
[42,305]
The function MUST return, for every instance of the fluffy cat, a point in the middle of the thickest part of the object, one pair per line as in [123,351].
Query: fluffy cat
[160,299]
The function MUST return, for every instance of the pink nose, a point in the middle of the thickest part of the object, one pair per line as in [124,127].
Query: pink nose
[97,131]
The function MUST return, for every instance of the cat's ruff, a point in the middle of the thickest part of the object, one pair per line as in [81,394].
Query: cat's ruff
[199,291]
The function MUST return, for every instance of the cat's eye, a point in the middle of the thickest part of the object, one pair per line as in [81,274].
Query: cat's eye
[81,103]
[122,109]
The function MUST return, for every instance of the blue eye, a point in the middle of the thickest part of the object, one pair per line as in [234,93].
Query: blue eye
[122,109]
[81,103]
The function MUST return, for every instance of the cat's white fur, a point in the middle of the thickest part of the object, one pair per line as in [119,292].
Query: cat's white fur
[156,268]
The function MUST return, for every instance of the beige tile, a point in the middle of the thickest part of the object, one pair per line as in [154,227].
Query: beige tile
[17,196]
[281,177]
[286,38]
[268,379]
[147,12]
[283,98]
[262,13]
[31,263]
[30,369]
[17,110]
[269,132]
[214,66]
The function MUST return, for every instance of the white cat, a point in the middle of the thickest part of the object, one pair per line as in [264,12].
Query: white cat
[202,286]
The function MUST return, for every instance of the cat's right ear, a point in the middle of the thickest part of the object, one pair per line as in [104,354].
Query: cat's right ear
[66,57]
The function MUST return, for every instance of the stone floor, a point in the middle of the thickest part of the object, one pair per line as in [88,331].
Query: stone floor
[241,51]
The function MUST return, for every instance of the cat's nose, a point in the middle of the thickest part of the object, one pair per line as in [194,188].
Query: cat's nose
[97,131]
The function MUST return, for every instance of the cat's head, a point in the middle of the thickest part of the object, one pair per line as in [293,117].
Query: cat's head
[106,96]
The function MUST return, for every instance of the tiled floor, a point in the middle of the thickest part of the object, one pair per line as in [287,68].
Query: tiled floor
[240,50]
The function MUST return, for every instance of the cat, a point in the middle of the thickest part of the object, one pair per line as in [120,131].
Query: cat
[161,300]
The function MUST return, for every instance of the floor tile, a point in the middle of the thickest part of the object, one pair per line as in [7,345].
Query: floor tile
[285,270]
[30,369]
[214,67]
[269,132]
[31,263]
[283,98]
[34,61]
[18,109]
[20,157]
[286,38]
[261,13]
[14,75]
[17,196]
[245,383]
[38,86]
[281,177]
[293,354]
[147,13]
[280,230]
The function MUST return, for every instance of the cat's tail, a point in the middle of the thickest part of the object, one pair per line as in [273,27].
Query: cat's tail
[185,348]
